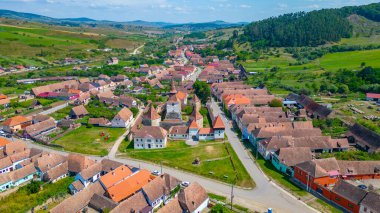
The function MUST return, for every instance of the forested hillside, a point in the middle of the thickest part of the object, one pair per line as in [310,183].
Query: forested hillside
[307,29]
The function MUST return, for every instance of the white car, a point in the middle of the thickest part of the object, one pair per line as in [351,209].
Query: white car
[155,172]
[185,183]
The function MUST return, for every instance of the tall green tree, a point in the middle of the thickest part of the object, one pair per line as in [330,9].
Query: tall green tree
[202,90]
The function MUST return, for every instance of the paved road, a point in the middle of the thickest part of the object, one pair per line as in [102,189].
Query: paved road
[54,109]
[266,193]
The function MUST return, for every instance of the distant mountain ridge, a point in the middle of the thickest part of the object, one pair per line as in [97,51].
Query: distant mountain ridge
[83,20]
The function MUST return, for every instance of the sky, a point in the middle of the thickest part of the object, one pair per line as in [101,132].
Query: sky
[173,11]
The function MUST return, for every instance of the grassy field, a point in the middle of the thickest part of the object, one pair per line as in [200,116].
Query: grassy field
[22,201]
[89,141]
[40,44]
[215,160]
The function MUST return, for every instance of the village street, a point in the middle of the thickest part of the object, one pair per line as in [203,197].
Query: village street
[255,199]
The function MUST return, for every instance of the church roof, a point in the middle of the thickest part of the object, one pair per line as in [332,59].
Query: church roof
[152,114]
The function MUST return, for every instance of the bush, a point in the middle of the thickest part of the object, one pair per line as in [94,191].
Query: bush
[275,103]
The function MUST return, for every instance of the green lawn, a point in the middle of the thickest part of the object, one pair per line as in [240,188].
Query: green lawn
[89,141]
[21,201]
[215,161]
[62,113]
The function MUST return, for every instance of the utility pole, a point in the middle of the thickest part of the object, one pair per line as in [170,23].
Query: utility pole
[161,166]
[232,194]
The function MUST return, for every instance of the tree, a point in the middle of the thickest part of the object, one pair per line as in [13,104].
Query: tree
[202,90]
[135,111]
[33,187]
[343,89]
[362,64]
[275,103]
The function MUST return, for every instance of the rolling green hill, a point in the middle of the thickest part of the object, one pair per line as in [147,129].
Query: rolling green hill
[314,28]
[30,43]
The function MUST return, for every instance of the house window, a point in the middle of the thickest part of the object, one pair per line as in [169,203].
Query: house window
[350,205]
[337,198]
[365,209]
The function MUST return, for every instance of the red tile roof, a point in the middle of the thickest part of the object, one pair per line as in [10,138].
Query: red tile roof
[218,123]
[17,120]
[130,185]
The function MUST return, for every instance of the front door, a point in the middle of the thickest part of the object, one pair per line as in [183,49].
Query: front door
[149,146]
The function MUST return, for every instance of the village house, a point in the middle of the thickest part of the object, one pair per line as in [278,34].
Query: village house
[313,109]
[113,61]
[370,203]
[285,159]
[347,196]
[129,186]
[150,137]
[123,118]
[90,174]
[4,100]
[49,166]
[373,97]
[17,177]
[178,133]
[78,163]
[40,129]
[193,198]
[102,122]
[57,173]
[78,112]
[155,192]
[15,124]
[317,144]
[80,200]
[136,203]
[43,91]
[364,138]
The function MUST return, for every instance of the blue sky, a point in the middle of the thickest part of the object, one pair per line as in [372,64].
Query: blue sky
[175,11]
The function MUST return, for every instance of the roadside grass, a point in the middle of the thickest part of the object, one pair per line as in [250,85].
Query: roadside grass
[217,197]
[89,141]
[62,113]
[215,160]
[280,178]
[322,206]
[22,201]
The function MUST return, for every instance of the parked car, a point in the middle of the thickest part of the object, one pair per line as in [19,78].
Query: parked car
[362,186]
[155,172]
[8,136]
[185,183]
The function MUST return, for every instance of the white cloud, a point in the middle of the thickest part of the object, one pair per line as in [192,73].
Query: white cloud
[245,6]
[282,6]
[111,3]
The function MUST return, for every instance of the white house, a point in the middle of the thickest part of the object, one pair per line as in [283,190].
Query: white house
[123,118]
[179,132]
[150,137]
[6,165]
